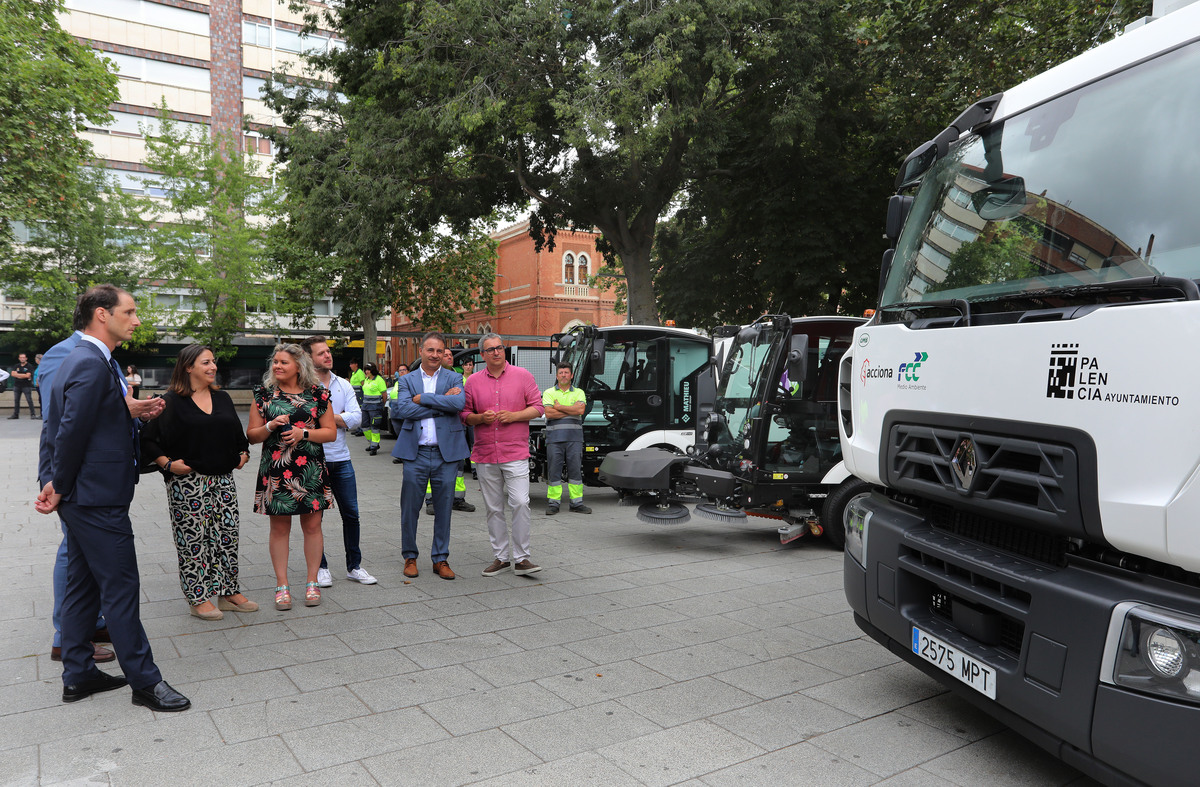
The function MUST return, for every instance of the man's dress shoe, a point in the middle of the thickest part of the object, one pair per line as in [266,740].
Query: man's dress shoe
[98,654]
[101,681]
[161,697]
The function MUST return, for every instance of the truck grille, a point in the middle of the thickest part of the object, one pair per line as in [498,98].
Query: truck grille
[1020,480]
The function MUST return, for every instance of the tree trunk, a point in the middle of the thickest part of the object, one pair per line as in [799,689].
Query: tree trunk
[370,337]
[639,282]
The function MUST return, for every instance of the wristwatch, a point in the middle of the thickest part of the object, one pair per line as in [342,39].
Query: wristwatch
[305,434]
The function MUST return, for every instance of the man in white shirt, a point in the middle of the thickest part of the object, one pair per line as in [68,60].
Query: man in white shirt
[348,416]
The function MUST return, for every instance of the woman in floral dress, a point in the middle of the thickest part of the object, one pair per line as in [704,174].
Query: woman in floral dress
[291,417]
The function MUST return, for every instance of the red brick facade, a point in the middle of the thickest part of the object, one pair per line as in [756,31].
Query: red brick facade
[532,295]
[225,33]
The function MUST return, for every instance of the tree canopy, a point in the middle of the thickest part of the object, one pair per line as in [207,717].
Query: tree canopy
[51,87]
[794,222]
[595,113]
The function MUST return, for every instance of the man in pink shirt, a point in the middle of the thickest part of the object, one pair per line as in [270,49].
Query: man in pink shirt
[500,404]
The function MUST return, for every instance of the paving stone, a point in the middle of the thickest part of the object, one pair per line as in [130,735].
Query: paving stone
[19,767]
[87,756]
[578,730]
[783,721]
[677,703]
[346,670]
[952,714]
[695,661]
[491,620]
[777,677]
[557,632]
[802,765]
[459,650]
[607,681]
[581,770]
[625,645]
[1001,760]
[628,619]
[888,744]
[679,753]
[350,773]
[298,712]
[285,654]
[526,665]
[323,745]
[879,691]
[481,710]
[850,657]
[461,760]
[415,688]
[249,763]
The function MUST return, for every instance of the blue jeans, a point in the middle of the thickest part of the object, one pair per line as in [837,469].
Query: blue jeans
[345,492]
[427,468]
[60,589]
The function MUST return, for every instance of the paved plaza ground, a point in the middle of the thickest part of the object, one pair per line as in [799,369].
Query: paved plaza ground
[698,654]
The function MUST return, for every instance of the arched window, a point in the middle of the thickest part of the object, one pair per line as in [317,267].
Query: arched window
[581,269]
[568,272]
[485,328]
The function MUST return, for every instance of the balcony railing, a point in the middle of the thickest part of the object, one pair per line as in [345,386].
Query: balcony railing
[576,290]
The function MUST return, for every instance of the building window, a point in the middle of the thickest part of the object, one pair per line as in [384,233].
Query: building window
[258,35]
[256,143]
[581,269]
[485,328]
[568,269]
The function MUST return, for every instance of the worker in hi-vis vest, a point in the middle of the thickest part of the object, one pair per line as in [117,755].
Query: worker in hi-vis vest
[564,441]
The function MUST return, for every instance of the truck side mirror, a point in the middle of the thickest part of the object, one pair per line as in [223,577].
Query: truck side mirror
[897,211]
[598,355]
[797,359]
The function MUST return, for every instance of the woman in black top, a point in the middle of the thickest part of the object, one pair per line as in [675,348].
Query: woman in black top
[198,442]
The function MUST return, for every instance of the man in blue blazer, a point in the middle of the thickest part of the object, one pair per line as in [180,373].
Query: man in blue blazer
[432,442]
[91,444]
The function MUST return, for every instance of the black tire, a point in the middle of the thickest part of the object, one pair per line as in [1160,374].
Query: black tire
[835,508]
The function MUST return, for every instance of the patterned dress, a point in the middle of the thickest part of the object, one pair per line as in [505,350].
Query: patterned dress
[292,479]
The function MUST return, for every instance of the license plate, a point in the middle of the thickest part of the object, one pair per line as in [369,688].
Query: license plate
[968,669]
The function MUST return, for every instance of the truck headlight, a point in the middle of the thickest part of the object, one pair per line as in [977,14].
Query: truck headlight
[1157,651]
[855,518]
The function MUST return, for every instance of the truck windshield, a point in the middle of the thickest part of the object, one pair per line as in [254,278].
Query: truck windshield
[1096,186]
[738,394]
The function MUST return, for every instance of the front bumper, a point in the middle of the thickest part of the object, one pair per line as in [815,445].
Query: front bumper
[1043,630]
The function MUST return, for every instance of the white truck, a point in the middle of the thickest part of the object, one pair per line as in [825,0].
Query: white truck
[1024,399]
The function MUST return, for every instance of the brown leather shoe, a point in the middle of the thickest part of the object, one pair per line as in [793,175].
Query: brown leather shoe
[99,654]
[101,635]
[442,569]
[410,567]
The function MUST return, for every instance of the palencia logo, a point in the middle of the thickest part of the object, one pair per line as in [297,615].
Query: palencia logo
[868,372]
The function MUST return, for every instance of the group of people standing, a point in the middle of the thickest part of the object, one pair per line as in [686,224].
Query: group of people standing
[97,437]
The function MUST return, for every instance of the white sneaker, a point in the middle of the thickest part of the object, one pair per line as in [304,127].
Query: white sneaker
[324,578]
[361,576]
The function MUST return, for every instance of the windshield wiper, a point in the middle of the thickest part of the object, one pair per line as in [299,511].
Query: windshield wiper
[1185,286]
[957,304]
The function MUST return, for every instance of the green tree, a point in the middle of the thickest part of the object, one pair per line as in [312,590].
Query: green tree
[793,221]
[596,113]
[51,88]
[210,233]
[96,238]
[355,227]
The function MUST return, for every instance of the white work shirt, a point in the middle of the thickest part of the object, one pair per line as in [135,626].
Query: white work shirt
[343,402]
[428,430]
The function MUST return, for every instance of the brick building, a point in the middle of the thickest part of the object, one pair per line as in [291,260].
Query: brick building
[536,293]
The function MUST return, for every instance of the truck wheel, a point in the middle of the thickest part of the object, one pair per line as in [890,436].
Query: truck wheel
[835,508]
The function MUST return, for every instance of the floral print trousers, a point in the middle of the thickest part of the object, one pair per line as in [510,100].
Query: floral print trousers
[204,520]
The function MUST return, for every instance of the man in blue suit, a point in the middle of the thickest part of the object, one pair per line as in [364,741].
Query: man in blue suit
[432,442]
[91,443]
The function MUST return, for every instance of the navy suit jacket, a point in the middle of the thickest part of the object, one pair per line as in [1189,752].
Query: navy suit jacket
[444,409]
[47,370]
[91,440]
